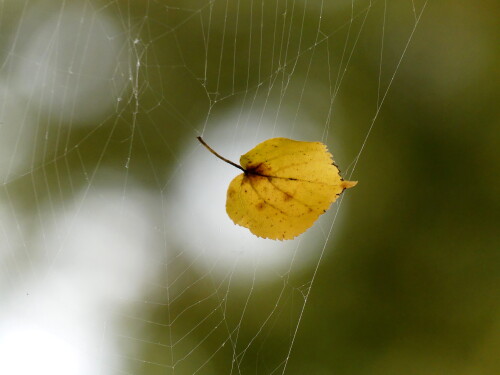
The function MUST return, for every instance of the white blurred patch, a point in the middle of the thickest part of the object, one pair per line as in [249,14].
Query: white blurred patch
[72,62]
[26,349]
[15,258]
[102,245]
[88,262]
[195,206]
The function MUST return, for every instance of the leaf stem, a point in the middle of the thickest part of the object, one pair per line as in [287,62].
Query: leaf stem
[219,156]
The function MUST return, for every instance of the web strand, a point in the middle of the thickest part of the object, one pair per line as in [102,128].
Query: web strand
[110,205]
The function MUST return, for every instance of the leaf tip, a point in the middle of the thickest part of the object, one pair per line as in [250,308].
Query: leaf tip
[348,184]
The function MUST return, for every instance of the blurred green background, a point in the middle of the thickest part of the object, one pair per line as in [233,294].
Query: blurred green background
[104,99]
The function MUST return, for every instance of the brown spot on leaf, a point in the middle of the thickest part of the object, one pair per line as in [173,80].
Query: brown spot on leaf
[260,206]
[261,169]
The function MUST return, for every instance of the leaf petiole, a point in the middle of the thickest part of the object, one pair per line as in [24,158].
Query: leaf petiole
[219,156]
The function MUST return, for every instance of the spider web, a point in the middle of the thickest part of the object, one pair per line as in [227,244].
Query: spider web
[116,253]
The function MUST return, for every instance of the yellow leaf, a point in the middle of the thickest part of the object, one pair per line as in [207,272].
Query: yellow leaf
[285,186]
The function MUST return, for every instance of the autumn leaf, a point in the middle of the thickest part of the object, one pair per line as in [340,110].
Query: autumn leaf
[285,186]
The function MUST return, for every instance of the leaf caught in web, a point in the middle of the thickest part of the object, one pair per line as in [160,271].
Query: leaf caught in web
[285,186]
